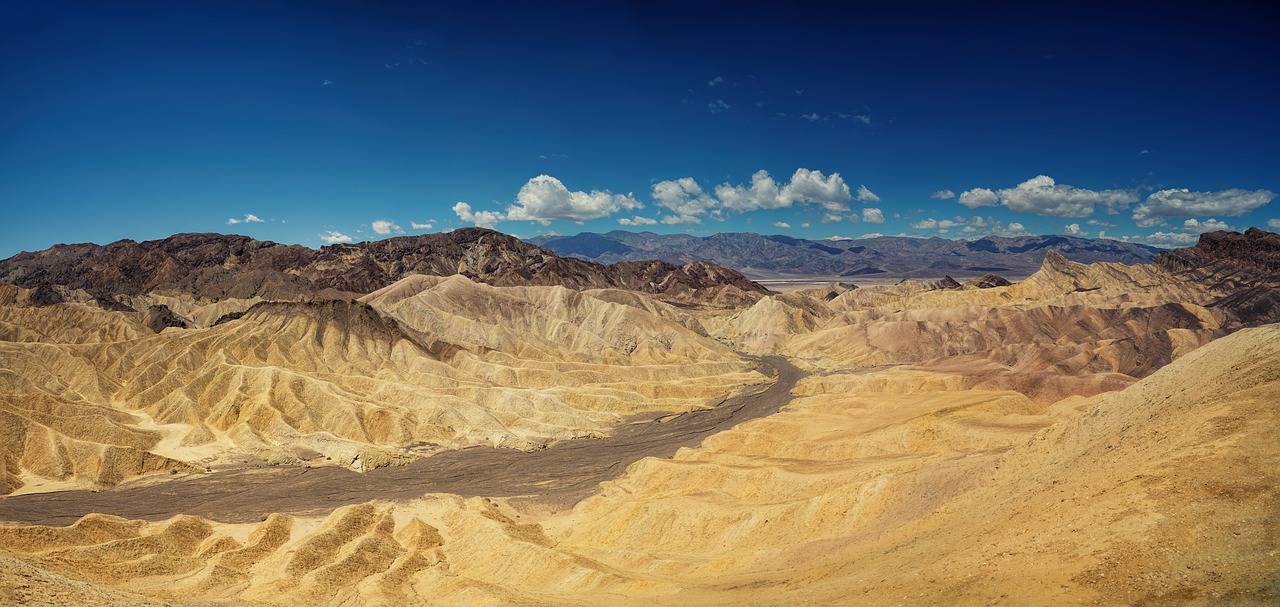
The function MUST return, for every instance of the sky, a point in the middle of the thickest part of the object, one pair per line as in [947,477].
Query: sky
[323,122]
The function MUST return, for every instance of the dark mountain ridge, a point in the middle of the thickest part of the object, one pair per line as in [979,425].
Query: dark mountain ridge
[221,266]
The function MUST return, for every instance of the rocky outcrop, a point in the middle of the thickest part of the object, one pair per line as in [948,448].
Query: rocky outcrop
[1255,249]
[987,281]
[217,266]
[1243,268]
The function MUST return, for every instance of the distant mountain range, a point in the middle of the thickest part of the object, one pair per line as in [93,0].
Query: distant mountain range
[764,257]
[218,266]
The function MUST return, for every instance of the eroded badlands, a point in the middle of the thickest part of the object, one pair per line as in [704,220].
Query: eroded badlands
[1093,434]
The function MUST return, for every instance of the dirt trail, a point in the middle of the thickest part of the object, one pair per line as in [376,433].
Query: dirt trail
[558,476]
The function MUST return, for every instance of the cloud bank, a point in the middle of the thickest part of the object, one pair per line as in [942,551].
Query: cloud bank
[683,201]
[544,198]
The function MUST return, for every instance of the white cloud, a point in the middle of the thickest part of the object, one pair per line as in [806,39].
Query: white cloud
[1099,222]
[805,224]
[718,106]
[1192,226]
[872,215]
[384,227]
[973,226]
[834,217]
[544,198]
[865,195]
[422,226]
[1273,224]
[979,197]
[333,237]
[806,187]
[685,199]
[1043,196]
[483,219]
[934,224]
[1165,239]
[810,186]
[863,118]
[1073,229]
[1185,203]
[812,117]
[943,195]
[781,224]
[248,218]
[717,81]
[867,235]
[637,221]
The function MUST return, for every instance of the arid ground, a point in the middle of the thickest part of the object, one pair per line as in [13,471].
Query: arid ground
[1093,434]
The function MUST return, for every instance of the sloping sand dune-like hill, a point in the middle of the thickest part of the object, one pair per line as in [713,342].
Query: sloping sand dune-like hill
[1068,329]
[872,488]
[429,364]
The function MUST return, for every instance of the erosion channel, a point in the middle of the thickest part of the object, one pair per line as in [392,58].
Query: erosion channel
[559,476]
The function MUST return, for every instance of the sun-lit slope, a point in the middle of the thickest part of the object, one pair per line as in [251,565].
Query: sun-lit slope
[344,383]
[1068,329]
[56,430]
[546,323]
[58,316]
[872,488]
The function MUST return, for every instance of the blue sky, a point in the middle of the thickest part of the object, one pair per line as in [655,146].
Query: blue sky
[315,122]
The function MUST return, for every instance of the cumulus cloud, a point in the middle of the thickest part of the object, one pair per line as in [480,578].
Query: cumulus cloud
[781,224]
[1073,229]
[865,195]
[1273,224]
[805,187]
[718,106]
[1193,226]
[637,221]
[334,237]
[1185,203]
[422,226]
[805,224]
[686,200]
[1165,240]
[483,219]
[979,197]
[248,218]
[812,117]
[973,226]
[544,198]
[1043,196]
[717,81]
[384,227]
[943,195]
[812,187]
[934,224]
[872,215]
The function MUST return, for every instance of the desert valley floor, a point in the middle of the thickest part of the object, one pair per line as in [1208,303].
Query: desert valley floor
[467,419]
